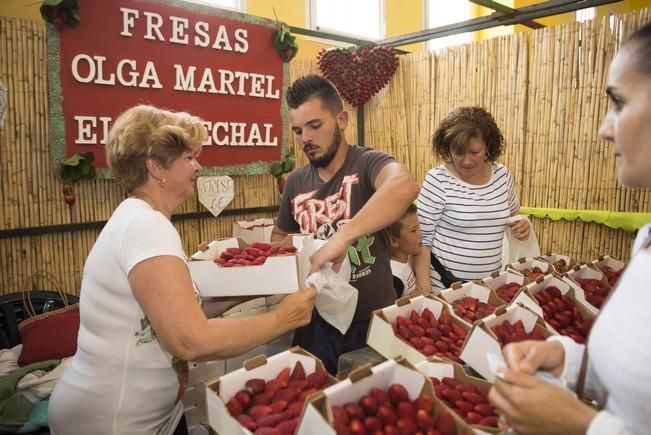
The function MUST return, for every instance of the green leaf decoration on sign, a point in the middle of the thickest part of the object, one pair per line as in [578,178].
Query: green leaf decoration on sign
[61,12]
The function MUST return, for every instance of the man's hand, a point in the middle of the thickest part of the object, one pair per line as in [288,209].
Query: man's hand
[334,251]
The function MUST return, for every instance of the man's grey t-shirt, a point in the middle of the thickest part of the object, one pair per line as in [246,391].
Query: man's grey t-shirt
[312,206]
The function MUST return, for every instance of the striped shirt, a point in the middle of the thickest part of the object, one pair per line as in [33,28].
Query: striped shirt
[463,223]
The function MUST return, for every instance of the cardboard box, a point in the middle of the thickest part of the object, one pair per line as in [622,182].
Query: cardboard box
[195,415]
[221,390]
[498,279]
[613,263]
[566,286]
[586,271]
[434,368]
[529,263]
[317,416]
[198,372]
[249,305]
[473,289]
[552,257]
[482,340]
[278,275]
[258,230]
[607,260]
[380,333]
[526,295]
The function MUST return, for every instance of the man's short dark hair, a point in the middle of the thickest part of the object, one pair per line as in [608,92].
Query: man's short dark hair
[312,86]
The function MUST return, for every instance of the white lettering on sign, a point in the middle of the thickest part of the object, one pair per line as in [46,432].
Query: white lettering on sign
[86,126]
[228,82]
[95,72]
[215,193]
[234,134]
[222,38]
[239,134]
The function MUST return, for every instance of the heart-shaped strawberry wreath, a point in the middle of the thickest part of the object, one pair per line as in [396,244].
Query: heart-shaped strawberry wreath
[358,73]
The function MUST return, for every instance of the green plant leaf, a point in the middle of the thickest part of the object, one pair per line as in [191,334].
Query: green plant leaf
[73,160]
[90,156]
[77,167]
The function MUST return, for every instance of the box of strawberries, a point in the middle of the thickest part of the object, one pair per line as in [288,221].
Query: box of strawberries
[233,267]
[471,301]
[267,395]
[466,395]
[390,398]
[508,324]
[417,328]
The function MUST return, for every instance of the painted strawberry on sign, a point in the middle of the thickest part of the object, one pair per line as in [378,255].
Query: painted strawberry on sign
[358,73]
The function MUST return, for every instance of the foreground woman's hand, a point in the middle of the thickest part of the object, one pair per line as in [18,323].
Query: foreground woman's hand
[529,356]
[534,406]
[296,309]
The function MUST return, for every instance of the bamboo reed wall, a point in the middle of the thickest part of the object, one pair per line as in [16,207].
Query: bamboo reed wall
[545,89]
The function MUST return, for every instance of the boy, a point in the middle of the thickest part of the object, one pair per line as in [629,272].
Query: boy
[405,243]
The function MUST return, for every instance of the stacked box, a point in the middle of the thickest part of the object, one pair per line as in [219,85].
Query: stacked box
[277,275]
[194,398]
[258,230]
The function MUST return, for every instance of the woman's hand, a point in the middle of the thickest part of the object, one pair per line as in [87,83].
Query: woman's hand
[534,406]
[296,309]
[529,356]
[520,229]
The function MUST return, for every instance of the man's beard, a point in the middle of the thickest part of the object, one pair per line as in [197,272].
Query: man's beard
[325,159]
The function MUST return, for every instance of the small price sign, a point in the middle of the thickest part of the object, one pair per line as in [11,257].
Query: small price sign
[215,193]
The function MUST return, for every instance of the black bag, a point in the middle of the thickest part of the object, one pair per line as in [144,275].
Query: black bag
[447,277]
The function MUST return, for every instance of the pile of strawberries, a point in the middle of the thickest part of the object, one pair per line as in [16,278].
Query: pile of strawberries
[391,412]
[274,407]
[612,275]
[506,332]
[472,309]
[254,255]
[595,290]
[533,274]
[561,312]
[507,292]
[467,400]
[431,336]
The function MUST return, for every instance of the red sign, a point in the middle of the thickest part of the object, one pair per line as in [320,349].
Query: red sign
[218,65]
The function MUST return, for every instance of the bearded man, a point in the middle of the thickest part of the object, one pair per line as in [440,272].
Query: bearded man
[348,195]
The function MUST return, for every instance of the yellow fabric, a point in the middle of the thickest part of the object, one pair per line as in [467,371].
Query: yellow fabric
[627,221]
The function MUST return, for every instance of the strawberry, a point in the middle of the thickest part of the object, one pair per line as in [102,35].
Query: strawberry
[70,199]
